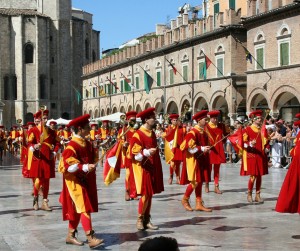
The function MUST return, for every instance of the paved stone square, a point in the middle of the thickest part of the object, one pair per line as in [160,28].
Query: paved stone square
[234,224]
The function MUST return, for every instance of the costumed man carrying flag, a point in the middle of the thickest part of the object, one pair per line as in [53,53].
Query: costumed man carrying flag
[174,136]
[146,166]
[255,161]
[79,196]
[196,163]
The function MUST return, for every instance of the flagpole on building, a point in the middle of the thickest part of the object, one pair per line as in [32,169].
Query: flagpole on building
[229,83]
[251,56]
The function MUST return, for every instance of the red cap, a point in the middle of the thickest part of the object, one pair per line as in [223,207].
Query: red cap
[53,123]
[25,126]
[297,116]
[280,121]
[256,113]
[15,126]
[1,126]
[131,114]
[80,121]
[146,113]
[200,115]
[30,123]
[105,121]
[174,116]
[93,124]
[297,123]
[213,114]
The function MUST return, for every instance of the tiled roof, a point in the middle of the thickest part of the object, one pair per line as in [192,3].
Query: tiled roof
[18,12]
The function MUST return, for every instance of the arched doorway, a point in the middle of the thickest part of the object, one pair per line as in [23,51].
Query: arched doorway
[115,110]
[102,112]
[138,108]
[220,104]
[200,104]
[130,108]
[288,105]
[172,108]
[122,109]
[259,102]
[186,111]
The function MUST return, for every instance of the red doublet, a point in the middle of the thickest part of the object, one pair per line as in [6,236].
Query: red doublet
[215,134]
[147,173]
[171,135]
[79,194]
[200,171]
[43,161]
[255,162]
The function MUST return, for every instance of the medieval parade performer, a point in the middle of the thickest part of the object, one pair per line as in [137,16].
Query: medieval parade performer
[255,161]
[79,196]
[196,163]
[174,136]
[147,167]
[215,132]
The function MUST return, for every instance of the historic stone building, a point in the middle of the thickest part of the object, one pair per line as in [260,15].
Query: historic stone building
[43,46]
[227,39]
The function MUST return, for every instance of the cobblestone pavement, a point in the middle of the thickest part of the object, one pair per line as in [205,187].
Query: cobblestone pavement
[234,224]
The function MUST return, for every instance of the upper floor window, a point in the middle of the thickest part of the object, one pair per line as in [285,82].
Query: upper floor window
[158,78]
[28,51]
[216,12]
[284,39]
[220,61]
[6,88]
[43,87]
[259,48]
[137,82]
[171,74]
[87,49]
[185,72]
[232,4]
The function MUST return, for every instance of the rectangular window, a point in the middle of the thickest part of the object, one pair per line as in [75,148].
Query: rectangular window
[259,58]
[109,88]
[94,91]
[122,85]
[284,54]
[137,82]
[185,73]
[115,89]
[232,4]
[158,78]
[171,76]
[201,65]
[220,65]
[216,11]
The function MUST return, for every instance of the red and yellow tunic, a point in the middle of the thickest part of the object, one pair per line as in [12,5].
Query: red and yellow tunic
[148,174]
[79,193]
[195,166]
[255,161]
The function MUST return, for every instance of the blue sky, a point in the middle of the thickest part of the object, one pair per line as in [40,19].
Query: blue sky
[122,20]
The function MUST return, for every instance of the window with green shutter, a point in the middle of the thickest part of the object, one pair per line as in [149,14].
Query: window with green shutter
[109,88]
[259,58]
[137,82]
[201,65]
[284,54]
[216,11]
[122,85]
[127,86]
[158,78]
[220,64]
[171,76]
[232,4]
[185,72]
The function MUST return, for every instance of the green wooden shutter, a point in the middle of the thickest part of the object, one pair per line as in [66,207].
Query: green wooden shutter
[158,78]
[216,8]
[137,82]
[185,72]
[220,67]
[122,85]
[171,76]
[284,54]
[232,4]
[115,89]
[201,65]
[260,58]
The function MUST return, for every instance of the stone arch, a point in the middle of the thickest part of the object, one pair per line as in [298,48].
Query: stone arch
[185,57]
[172,107]
[91,112]
[96,113]
[107,110]
[159,107]
[200,103]
[102,112]
[260,36]
[115,109]
[122,109]
[220,103]
[219,48]
[283,30]
[129,108]
[257,100]
[147,105]
[138,108]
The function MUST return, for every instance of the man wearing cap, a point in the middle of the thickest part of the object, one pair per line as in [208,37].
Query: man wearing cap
[174,136]
[255,161]
[215,132]
[147,167]
[105,136]
[195,168]
[79,196]
[24,159]
[43,143]
[126,134]
[14,139]
[2,141]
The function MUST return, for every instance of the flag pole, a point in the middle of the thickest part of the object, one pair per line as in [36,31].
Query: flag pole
[238,41]
[229,83]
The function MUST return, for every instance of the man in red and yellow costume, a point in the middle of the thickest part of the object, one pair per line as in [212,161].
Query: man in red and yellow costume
[79,196]
[14,140]
[215,132]
[255,160]
[174,136]
[24,155]
[146,166]
[127,133]
[195,168]
[43,144]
